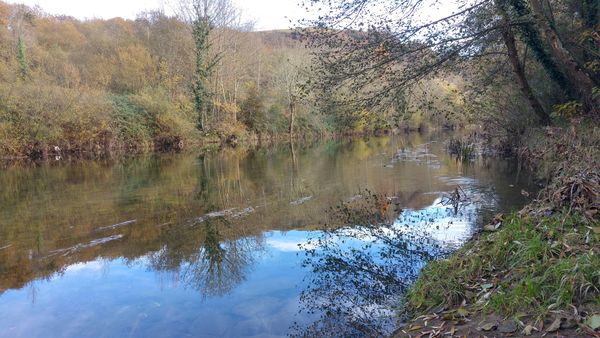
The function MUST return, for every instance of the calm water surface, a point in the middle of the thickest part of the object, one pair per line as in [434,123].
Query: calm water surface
[304,240]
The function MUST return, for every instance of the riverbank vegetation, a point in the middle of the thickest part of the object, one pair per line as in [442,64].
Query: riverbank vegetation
[166,82]
[536,276]
[163,82]
[499,66]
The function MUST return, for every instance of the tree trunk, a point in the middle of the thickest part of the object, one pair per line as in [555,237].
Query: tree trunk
[519,68]
[519,71]
[579,81]
[292,117]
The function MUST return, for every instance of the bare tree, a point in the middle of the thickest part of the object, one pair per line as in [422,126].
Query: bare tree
[292,77]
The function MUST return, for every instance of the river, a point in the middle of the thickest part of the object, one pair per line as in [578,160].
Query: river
[317,239]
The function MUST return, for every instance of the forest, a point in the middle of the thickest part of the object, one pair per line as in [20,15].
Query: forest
[162,82]
[98,86]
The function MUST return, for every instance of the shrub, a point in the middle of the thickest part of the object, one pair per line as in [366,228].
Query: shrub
[35,117]
[151,120]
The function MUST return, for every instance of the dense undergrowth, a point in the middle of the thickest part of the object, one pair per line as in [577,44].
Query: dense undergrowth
[36,118]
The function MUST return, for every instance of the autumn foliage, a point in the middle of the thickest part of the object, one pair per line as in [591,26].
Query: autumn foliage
[97,86]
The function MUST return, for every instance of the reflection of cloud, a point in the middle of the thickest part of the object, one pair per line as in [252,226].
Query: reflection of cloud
[289,246]
[439,224]
[91,266]
[436,221]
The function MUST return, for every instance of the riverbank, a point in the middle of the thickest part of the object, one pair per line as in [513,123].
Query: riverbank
[113,148]
[110,150]
[531,273]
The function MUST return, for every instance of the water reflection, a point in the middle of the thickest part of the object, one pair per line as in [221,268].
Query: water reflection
[216,267]
[208,245]
[369,254]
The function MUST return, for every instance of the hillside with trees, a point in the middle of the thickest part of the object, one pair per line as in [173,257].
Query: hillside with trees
[97,86]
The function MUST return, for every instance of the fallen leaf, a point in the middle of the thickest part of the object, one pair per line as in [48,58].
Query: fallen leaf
[507,327]
[555,325]
[451,332]
[462,312]
[528,330]
[438,309]
[488,327]
[593,322]
[448,316]
[415,328]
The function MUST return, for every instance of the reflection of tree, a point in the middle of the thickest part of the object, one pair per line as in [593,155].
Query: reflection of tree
[202,193]
[360,268]
[216,267]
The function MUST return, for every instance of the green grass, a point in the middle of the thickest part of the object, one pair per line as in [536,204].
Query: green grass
[530,266]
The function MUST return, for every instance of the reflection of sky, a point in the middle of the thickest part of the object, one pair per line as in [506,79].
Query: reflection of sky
[439,222]
[117,298]
[292,241]
[364,270]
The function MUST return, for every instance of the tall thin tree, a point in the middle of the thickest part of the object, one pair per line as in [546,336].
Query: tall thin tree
[204,16]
